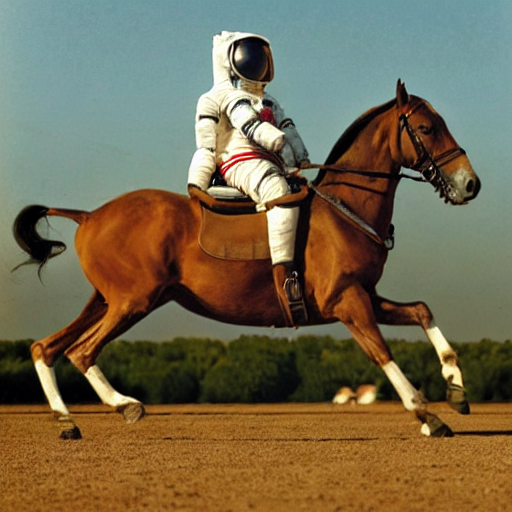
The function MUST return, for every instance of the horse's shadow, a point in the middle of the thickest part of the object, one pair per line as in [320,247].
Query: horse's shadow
[484,433]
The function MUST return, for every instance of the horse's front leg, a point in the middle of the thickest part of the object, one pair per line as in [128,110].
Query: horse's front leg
[418,313]
[356,312]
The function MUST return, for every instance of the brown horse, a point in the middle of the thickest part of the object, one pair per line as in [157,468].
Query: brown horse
[141,251]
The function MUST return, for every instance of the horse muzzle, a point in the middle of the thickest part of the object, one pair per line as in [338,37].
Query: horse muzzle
[461,186]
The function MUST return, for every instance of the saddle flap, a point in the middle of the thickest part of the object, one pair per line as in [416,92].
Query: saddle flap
[234,237]
[231,227]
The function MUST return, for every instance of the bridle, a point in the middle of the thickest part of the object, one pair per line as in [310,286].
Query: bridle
[427,165]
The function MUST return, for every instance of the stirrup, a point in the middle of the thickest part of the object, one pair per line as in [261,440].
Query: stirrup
[296,304]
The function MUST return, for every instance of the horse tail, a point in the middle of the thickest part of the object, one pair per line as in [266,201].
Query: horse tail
[25,233]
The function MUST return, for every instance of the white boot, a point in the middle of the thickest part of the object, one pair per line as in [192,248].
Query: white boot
[282,231]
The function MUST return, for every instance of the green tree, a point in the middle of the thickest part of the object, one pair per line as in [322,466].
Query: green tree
[18,379]
[420,364]
[255,369]
[324,365]
[487,370]
[167,372]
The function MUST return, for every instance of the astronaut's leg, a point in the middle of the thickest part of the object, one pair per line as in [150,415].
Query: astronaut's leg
[263,182]
[201,168]
[282,232]
[282,228]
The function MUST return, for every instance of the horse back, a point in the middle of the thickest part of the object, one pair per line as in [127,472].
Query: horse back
[137,234]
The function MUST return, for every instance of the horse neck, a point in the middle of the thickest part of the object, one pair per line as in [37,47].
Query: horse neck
[374,149]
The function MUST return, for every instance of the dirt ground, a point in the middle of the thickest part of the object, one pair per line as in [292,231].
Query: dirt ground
[269,458]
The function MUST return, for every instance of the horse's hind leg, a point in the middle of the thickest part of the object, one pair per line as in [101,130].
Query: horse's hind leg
[49,348]
[45,351]
[85,350]
[418,313]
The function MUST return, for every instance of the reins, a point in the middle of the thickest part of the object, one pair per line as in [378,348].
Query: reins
[389,241]
[354,219]
[369,174]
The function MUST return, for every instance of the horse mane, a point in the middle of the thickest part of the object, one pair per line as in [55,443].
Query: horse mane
[350,134]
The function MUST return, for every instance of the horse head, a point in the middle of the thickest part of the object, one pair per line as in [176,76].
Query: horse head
[427,146]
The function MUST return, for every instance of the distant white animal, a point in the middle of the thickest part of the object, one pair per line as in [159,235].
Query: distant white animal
[365,394]
[344,395]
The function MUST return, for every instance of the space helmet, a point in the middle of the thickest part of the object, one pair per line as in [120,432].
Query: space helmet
[250,59]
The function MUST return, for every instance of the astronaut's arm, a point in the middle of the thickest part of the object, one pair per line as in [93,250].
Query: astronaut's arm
[244,118]
[203,162]
[294,151]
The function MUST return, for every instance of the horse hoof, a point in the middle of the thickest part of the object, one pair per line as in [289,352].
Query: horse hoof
[68,429]
[432,426]
[456,398]
[132,412]
[72,433]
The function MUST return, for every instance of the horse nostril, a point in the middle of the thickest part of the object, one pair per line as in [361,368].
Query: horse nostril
[473,187]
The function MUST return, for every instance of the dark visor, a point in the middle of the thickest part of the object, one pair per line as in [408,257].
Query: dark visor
[251,59]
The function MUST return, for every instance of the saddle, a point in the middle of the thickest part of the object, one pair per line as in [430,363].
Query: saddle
[231,227]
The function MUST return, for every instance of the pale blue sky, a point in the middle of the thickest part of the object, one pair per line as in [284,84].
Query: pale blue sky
[98,98]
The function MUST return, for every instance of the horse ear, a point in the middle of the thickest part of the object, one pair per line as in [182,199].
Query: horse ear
[402,96]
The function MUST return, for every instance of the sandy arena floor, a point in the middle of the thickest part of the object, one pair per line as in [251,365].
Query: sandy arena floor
[268,458]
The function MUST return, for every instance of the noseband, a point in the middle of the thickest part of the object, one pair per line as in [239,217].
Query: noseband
[428,166]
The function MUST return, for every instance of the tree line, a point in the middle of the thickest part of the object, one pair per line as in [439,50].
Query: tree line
[257,369]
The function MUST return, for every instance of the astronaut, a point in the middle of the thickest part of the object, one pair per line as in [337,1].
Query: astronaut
[243,131]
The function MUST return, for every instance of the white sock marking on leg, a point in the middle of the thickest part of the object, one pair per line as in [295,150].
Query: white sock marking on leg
[438,340]
[108,395]
[403,387]
[450,368]
[51,390]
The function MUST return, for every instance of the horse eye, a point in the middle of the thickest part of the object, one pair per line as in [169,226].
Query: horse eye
[426,130]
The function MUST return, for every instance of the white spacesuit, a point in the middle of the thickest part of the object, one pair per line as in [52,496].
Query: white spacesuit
[243,131]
